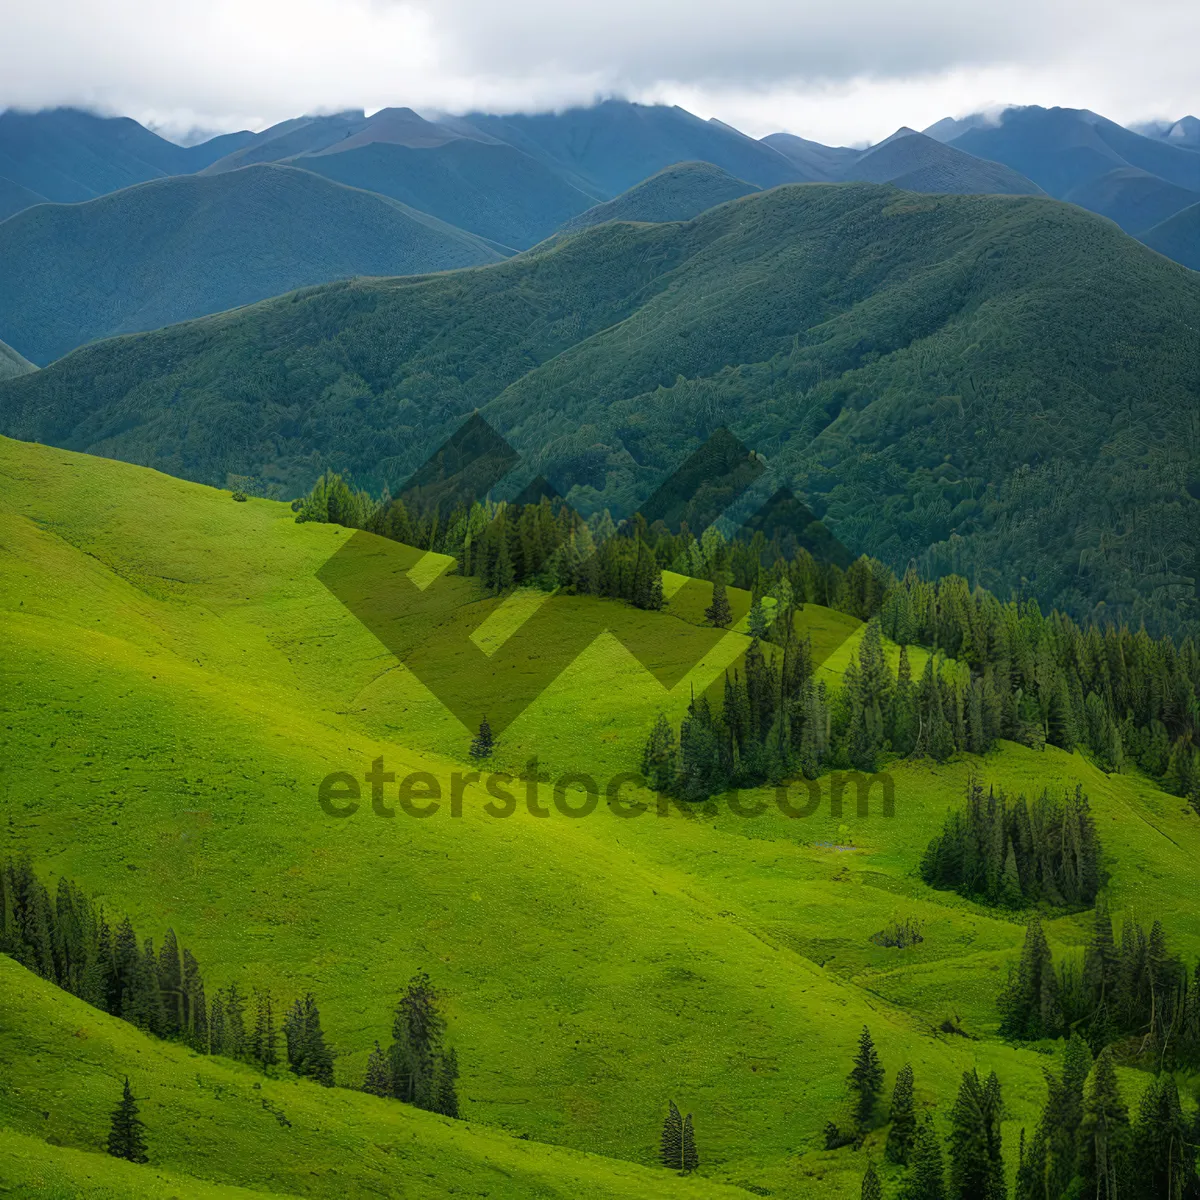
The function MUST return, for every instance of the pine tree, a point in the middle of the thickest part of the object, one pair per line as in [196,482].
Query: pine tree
[170,983]
[126,1138]
[315,1054]
[445,1089]
[1164,1162]
[483,743]
[872,1189]
[417,1030]
[671,1144]
[1104,1134]
[758,622]
[866,1079]
[903,1118]
[379,1075]
[926,1177]
[1029,1003]
[690,1159]
[264,1041]
[974,1142]
[235,1022]
[216,1026]
[719,613]
[659,755]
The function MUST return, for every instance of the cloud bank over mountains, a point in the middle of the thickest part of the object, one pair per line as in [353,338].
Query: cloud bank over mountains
[848,72]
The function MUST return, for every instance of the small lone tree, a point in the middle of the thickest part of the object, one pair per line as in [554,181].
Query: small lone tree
[719,612]
[484,743]
[125,1138]
[866,1079]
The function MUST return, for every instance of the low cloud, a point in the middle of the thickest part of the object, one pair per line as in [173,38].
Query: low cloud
[845,72]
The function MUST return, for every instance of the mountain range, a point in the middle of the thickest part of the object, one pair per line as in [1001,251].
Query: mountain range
[146,232]
[1001,386]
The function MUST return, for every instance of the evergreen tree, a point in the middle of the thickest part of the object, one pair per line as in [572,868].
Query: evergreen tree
[866,1079]
[1104,1135]
[1164,1161]
[658,757]
[974,1142]
[926,1176]
[235,1022]
[1029,1003]
[216,1026]
[126,1136]
[170,984]
[379,1075]
[417,1030]
[483,743]
[719,613]
[264,1042]
[690,1159]
[445,1089]
[671,1143]
[872,1189]
[315,1054]
[903,1118]
[757,622]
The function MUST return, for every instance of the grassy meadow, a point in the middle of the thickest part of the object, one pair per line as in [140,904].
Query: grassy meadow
[178,681]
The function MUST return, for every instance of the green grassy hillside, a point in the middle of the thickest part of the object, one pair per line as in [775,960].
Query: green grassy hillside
[917,163]
[677,193]
[214,1128]
[13,364]
[1178,237]
[1001,386]
[182,247]
[180,682]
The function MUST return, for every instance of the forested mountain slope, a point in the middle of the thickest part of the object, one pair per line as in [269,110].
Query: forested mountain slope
[183,247]
[1000,386]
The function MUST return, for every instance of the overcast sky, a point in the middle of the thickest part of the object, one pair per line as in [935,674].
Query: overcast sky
[843,71]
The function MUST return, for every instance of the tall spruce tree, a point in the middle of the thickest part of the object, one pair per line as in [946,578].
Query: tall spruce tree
[866,1079]
[417,1030]
[902,1116]
[671,1142]
[926,1176]
[690,1158]
[483,744]
[976,1168]
[1104,1135]
[264,1042]
[659,755]
[1029,1003]
[1163,1151]
[126,1135]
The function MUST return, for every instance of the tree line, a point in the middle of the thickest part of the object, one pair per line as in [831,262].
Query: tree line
[1009,852]
[1128,699]
[1133,994]
[1084,1144]
[68,941]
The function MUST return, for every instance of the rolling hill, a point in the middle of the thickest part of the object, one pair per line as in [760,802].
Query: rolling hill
[1178,237]
[187,246]
[13,364]
[676,193]
[918,163]
[910,364]
[197,681]
[67,155]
